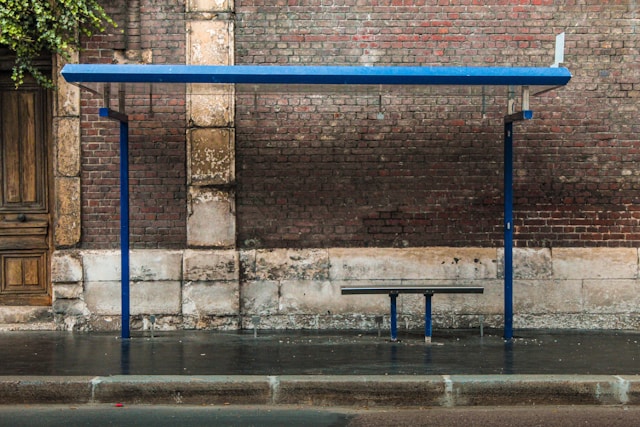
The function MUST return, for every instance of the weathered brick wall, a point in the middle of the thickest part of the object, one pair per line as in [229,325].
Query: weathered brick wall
[157,139]
[327,169]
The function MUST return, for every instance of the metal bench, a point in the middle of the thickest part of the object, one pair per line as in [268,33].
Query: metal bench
[427,291]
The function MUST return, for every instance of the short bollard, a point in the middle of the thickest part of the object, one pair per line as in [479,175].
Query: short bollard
[152,319]
[256,321]
[378,321]
[428,330]
[394,316]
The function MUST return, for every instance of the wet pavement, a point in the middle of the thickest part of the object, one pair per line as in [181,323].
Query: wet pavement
[454,352]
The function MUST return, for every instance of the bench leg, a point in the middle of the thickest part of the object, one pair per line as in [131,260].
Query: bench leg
[427,318]
[394,317]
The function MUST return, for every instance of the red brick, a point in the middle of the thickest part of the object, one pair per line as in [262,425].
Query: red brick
[442,154]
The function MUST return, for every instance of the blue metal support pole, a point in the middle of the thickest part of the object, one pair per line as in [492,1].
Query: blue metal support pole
[427,318]
[508,230]
[508,217]
[124,216]
[124,226]
[394,316]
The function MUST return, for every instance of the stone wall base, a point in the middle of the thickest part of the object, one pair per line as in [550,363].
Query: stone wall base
[356,322]
[565,288]
[14,318]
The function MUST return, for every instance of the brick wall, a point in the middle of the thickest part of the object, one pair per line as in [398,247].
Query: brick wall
[157,140]
[322,169]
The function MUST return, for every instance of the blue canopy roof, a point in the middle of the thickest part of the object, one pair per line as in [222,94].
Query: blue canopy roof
[294,74]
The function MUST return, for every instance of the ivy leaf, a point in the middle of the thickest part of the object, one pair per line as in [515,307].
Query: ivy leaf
[30,27]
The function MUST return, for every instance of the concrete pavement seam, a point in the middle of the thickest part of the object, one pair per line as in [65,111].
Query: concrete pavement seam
[95,382]
[448,400]
[622,388]
[274,386]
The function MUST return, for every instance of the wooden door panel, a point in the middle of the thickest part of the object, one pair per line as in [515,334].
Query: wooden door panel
[22,235]
[21,157]
[11,148]
[31,269]
[23,273]
[13,274]
[28,157]
[24,204]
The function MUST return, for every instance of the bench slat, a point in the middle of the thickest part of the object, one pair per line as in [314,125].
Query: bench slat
[414,290]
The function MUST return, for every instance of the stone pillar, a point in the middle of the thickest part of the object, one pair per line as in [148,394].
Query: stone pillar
[66,269]
[66,166]
[210,294]
[210,134]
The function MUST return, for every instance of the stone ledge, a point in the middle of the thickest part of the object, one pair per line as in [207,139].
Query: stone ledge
[595,263]
[413,263]
[145,265]
[211,265]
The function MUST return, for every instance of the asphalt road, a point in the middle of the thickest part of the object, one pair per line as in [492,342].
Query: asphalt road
[246,416]
[168,416]
[530,416]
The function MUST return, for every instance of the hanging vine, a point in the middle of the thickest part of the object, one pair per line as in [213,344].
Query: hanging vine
[30,28]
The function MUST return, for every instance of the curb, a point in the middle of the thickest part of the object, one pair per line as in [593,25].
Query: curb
[322,390]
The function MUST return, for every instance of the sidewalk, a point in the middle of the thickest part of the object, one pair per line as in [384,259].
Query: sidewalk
[321,368]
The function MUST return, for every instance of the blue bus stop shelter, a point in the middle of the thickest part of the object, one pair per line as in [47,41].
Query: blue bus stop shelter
[526,77]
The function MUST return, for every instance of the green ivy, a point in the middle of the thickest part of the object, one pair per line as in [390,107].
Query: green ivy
[30,28]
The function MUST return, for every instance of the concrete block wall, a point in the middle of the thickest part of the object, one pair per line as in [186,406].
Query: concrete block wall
[589,288]
[180,289]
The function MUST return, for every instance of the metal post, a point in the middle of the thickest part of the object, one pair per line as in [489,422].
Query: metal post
[508,230]
[124,226]
[394,317]
[508,216]
[124,215]
[427,318]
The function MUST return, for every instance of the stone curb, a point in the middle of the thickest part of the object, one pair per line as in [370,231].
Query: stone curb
[323,390]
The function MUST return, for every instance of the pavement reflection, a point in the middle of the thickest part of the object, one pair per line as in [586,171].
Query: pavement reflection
[454,352]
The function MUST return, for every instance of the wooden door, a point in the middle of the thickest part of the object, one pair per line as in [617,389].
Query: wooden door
[24,194]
